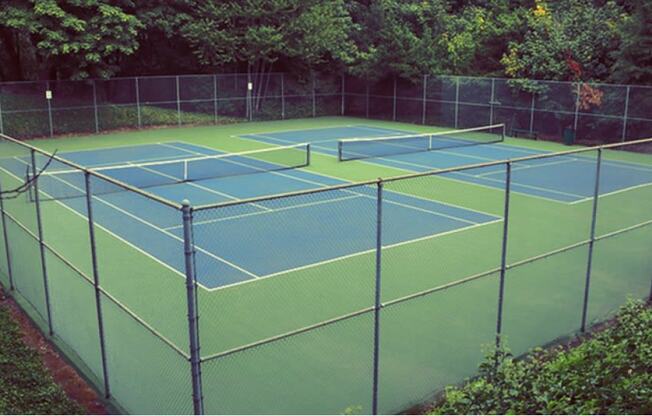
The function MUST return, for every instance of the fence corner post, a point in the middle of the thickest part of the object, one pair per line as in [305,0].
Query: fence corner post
[589,263]
[41,240]
[377,295]
[191,294]
[96,284]
[503,254]
[6,240]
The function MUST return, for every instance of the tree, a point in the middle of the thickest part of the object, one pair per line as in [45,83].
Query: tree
[64,38]
[634,59]
[578,29]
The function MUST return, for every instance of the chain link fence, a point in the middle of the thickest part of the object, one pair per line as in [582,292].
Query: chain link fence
[376,329]
[588,113]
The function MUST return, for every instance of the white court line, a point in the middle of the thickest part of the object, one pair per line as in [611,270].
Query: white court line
[204,188]
[283,141]
[590,198]
[157,228]
[524,167]
[320,184]
[489,179]
[348,256]
[251,214]
[111,233]
[308,129]
[385,247]
[407,170]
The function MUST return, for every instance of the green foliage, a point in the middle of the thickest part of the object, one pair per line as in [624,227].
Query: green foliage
[606,374]
[64,38]
[25,386]
[634,59]
[568,29]
[252,31]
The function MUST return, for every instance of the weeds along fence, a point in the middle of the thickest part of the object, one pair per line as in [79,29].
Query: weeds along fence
[591,113]
[374,332]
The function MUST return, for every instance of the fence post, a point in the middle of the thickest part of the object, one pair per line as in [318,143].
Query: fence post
[195,361]
[594,215]
[39,225]
[49,103]
[2,130]
[394,101]
[532,113]
[377,295]
[314,97]
[577,108]
[6,239]
[423,108]
[138,103]
[457,100]
[215,97]
[96,283]
[97,118]
[492,101]
[283,95]
[503,255]
[343,95]
[624,136]
[178,101]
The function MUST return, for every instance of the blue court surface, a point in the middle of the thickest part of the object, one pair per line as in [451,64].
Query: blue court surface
[250,241]
[566,179]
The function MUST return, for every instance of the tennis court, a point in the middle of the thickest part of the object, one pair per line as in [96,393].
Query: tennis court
[319,286]
[249,175]
[538,178]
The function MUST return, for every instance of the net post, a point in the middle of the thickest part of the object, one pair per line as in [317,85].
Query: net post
[343,95]
[140,123]
[625,115]
[5,235]
[96,283]
[457,101]
[49,103]
[191,298]
[308,154]
[377,295]
[503,254]
[394,101]
[283,95]
[589,263]
[178,101]
[95,111]
[339,150]
[39,225]
[423,100]
[215,98]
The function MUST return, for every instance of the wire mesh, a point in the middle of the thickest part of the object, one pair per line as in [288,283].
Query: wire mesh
[543,299]
[441,345]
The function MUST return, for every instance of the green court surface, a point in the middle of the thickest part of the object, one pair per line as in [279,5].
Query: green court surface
[256,355]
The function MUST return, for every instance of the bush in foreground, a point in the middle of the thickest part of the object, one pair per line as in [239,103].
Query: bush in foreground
[25,385]
[608,373]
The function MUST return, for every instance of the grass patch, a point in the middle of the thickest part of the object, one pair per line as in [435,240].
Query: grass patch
[26,387]
[607,373]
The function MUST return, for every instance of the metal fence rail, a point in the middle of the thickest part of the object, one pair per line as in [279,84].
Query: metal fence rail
[364,333]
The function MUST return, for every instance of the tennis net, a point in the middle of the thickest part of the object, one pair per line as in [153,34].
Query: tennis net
[71,183]
[351,149]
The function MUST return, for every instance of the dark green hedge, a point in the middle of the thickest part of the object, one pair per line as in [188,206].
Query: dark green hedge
[608,373]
